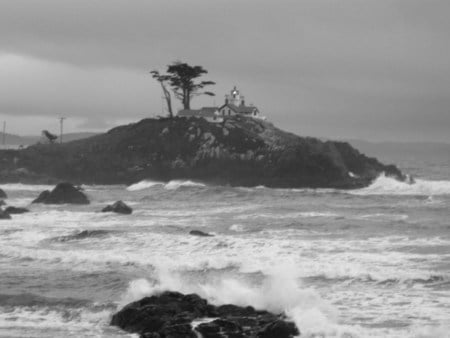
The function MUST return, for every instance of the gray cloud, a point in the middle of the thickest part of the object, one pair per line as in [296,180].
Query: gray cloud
[372,69]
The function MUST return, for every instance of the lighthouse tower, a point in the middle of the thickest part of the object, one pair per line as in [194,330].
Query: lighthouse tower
[235,98]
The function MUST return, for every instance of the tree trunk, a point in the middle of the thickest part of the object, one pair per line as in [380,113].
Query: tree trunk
[186,99]
[168,99]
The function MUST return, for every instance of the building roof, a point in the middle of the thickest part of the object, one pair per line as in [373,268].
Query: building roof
[240,109]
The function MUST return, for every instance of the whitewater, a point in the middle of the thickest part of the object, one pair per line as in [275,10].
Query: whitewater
[371,262]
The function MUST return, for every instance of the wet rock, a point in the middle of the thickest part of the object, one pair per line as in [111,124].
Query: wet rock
[3,194]
[4,215]
[220,328]
[118,207]
[199,233]
[178,331]
[171,314]
[16,211]
[280,329]
[63,193]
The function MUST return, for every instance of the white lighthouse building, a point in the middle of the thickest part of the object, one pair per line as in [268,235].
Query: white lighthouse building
[234,105]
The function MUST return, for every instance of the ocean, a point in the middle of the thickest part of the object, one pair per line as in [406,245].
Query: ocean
[372,262]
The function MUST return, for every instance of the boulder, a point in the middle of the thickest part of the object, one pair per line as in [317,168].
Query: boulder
[118,207]
[3,194]
[199,233]
[63,193]
[15,211]
[4,215]
[171,315]
[42,197]
[2,202]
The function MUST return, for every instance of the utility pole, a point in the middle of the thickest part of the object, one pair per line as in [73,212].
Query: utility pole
[61,126]
[4,133]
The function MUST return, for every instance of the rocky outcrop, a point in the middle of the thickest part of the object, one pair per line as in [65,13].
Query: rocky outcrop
[118,207]
[174,315]
[16,211]
[240,151]
[199,233]
[63,193]
[3,194]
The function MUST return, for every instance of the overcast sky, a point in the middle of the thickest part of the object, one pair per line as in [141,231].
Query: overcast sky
[370,69]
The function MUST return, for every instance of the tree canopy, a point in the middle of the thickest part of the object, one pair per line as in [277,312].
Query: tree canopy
[181,77]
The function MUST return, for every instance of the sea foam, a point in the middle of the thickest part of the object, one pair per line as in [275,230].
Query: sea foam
[25,187]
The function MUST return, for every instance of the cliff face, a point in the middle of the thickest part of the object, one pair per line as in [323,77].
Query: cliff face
[241,151]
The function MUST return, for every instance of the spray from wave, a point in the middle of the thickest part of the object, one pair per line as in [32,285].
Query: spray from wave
[385,185]
[280,291]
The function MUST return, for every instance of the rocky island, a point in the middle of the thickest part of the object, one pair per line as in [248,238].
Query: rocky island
[239,151]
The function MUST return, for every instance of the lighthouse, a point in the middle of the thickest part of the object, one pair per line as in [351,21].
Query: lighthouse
[235,98]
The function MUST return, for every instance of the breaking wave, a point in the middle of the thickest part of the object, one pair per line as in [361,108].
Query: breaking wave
[175,184]
[384,185]
[145,184]
[171,185]
[279,292]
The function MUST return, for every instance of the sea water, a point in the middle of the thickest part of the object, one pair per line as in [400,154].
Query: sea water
[372,262]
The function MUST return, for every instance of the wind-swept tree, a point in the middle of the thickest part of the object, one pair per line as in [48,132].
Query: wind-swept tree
[182,77]
[49,136]
[162,79]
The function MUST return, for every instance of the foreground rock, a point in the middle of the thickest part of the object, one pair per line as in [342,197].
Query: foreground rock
[16,211]
[3,194]
[63,193]
[172,315]
[241,151]
[4,215]
[118,207]
[199,233]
